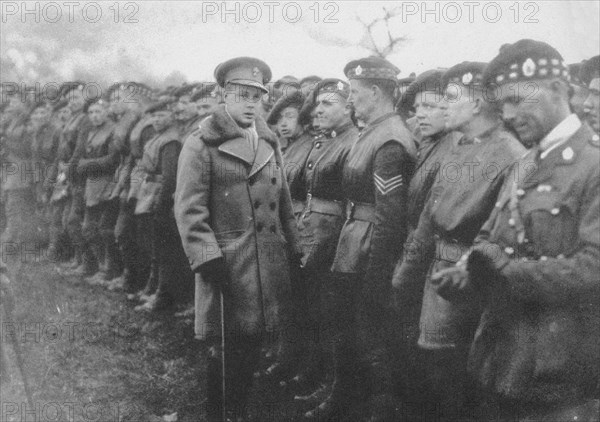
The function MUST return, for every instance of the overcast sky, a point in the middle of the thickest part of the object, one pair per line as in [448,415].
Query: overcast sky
[154,41]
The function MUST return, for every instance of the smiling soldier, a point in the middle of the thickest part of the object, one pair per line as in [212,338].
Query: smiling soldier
[535,262]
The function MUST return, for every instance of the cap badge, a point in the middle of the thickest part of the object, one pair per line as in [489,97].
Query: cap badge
[467,78]
[255,71]
[529,68]
[340,86]
[568,153]
[358,70]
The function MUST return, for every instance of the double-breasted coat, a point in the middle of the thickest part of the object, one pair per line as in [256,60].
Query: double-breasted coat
[233,202]
[538,338]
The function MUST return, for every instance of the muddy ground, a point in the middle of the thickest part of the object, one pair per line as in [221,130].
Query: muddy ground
[90,357]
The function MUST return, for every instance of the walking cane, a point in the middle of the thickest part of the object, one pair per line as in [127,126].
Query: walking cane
[7,301]
[223,395]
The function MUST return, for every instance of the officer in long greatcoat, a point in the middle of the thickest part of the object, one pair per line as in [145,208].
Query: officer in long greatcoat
[374,184]
[535,263]
[237,226]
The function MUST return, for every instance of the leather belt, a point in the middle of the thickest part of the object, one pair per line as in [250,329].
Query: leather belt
[153,178]
[360,211]
[323,206]
[450,250]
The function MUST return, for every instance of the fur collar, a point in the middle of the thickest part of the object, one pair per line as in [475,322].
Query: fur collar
[220,127]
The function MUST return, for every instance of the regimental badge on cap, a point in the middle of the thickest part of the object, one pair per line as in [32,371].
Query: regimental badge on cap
[568,153]
[529,68]
[467,78]
[255,71]
[340,86]
[358,70]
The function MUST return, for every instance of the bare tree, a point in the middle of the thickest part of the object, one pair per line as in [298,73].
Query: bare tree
[368,40]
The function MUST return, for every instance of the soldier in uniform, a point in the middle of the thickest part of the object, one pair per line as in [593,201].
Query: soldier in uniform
[159,167]
[43,147]
[185,110]
[374,184]
[284,118]
[236,222]
[590,75]
[317,179]
[96,164]
[207,98]
[127,104]
[534,267]
[308,83]
[459,203]
[59,247]
[424,99]
[68,185]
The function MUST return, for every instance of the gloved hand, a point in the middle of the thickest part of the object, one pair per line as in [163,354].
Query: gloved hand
[214,271]
[487,258]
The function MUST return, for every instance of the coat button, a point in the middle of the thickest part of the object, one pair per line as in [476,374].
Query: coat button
[520,192]
[272,205]
[310,165]
[543,258]
[259,227]
[273,228]
[511,222]
[498,204]
[509,250]
[554,211]
[274,180]
[256,204]
[318,145]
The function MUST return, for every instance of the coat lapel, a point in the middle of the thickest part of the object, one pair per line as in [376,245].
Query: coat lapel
[264,153]
[238,148]
[565,154]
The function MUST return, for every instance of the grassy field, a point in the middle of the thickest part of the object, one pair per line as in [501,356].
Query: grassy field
[90,357]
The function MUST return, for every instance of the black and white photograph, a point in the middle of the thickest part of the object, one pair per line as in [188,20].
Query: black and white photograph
[303,211]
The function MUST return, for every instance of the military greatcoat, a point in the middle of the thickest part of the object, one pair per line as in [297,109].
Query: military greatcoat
[233,202]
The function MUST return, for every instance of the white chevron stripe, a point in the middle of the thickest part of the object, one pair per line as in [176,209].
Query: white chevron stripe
[388,181]
[386,186]
[386,191]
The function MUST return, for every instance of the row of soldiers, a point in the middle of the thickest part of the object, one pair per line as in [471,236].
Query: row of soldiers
[473,191]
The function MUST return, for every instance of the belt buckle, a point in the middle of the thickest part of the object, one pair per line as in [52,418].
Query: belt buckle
[307,206]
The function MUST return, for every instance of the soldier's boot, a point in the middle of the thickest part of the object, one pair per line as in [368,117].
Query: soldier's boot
[152,282]
[132,276]
[349,377]
[77,259]
[383,405]
[113,259]
[89,264]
